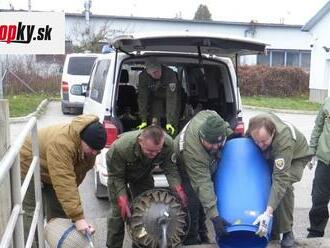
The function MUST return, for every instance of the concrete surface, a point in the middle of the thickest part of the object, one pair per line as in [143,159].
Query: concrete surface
[300,243]
[96,210]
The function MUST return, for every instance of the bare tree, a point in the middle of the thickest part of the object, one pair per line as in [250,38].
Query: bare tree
[92,39]
[203,13]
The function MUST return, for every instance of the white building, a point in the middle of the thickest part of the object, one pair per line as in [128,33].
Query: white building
[288,46]
[318,28]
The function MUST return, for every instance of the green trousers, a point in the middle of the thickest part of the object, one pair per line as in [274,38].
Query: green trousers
[319,213]
[51,205]
[283,214]
[116,226]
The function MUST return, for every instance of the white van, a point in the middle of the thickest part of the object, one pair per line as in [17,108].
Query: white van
[204,68]
[76,72]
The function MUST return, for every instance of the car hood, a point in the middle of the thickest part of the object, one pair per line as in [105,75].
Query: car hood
[188,43]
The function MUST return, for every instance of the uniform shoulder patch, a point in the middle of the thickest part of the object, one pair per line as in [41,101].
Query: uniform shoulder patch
[172,86]
[279,163]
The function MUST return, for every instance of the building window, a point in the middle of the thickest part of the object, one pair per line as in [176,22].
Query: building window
[295,58]
[292,59]
[277,58]
[306,60]
[263,59]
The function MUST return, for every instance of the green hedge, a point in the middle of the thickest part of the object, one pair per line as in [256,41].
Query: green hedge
[273,81]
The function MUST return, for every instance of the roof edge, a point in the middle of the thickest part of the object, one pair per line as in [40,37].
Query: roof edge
[316,18]
[187,20]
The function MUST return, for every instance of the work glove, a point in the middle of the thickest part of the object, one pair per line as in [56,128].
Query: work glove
[312,163]
[142,125]
[220,225]
[170,129]
[123,204]
[179,190]
[264,221]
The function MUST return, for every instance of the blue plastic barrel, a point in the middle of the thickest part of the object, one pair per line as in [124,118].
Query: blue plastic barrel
[242,185]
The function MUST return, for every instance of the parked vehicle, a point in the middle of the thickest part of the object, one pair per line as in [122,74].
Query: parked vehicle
[75,76]
[204,70]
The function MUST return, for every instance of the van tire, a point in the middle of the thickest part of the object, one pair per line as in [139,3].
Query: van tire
[101,192]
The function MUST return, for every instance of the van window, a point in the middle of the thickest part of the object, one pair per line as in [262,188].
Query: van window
[98,80]
[80,65]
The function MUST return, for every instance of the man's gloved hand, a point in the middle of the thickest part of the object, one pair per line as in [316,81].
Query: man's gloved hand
[220,225]
[312,163]
[142,125]
[123,205]
[170,129]
[181,194]
[264,221]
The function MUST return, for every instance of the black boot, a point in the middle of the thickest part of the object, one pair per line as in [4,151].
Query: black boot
[314,233]
[287,240]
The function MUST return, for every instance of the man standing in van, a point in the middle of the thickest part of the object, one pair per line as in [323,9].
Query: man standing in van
[130,161]
[197,149]
[287,150]
[158,96]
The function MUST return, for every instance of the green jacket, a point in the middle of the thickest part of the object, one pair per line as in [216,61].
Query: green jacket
[288,145]
[163,92]
[62,162]
[197,162]
[320,138]
[127,164]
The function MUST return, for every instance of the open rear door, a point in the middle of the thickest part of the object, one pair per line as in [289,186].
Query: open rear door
[189,43]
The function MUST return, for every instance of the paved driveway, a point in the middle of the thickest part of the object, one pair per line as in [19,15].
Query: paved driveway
[96,210]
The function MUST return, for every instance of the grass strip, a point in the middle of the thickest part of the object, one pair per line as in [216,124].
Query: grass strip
[24,104]
[292,103]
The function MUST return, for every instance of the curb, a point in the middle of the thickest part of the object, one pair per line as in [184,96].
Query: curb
[288,111]
[42,106]
[39,111]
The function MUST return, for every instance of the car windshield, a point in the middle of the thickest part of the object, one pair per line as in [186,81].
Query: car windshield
[80,65]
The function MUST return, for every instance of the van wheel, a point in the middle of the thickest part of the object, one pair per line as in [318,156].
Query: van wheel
[101,192]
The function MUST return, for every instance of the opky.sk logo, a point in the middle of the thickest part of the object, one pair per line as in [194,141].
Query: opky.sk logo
[21,33]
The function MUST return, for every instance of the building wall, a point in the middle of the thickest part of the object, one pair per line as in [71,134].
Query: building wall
[320,60]
[271,34]
[284,37]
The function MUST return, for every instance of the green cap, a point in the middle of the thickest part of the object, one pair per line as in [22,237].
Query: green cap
[213,130]
[152,63]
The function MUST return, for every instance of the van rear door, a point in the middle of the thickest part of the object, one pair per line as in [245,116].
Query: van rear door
[189,42]
[100,86]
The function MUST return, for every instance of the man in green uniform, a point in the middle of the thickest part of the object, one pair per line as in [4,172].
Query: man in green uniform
[130,160]
[158,96]
[67,153]
[320,147]
[197,149]
[287,151]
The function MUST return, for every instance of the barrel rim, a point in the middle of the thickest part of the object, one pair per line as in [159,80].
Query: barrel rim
[247,228]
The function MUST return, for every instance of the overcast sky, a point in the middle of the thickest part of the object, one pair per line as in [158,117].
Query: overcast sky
[275,11]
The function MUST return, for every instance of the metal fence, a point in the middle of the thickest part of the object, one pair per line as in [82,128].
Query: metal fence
[11,162]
